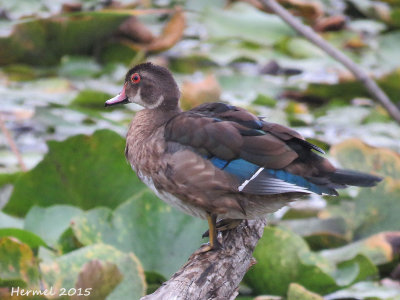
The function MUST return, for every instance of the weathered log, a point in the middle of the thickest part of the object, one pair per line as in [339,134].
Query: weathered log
[215,274]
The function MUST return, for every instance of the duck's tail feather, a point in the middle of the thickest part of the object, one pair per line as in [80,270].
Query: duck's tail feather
[350,177]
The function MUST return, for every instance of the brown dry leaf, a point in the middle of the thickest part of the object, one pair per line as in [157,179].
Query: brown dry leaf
[136,31]
[100,277]
[171,34]
[331,23]
[196,93]
[393,238]
[306,9]
[355,43]
[384,243]
[71,7]
[301,97]
[345,75]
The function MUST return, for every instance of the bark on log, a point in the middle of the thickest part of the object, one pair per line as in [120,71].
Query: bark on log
[215,274]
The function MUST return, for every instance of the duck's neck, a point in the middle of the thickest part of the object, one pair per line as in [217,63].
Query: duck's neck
[146,133]
[146,121]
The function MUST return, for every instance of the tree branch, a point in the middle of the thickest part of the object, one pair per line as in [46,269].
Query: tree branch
[375,91]
[215,274]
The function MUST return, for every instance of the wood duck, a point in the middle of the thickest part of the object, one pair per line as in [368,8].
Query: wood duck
[218,161]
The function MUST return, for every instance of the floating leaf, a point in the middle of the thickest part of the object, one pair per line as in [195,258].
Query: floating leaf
[389,44]
[248,87]
[85,171]
[298,292]
[51,222]
[284,257]
[233,50]
[79,67]
[24,236]
[379,248]
[171,34]
[140,38]
[319,233]
[9,221]
[68,270]
[375,209]
[91,99]
[354,89]
[44,41]
[146,226]
[242,21]
[17,263]
[367,290]
[97,279]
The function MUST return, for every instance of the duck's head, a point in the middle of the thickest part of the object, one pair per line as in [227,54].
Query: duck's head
[150,86]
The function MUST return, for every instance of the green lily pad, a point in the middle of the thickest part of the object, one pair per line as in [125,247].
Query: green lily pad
[27,237]
[51,222]
[79,67]
[264,100]
[9,178]
[91,99]
[248,87]
[301,48]
[45,41]
[67,271]
[234,50]
[146,226]
[368,290]
[379,248]
[298,292]
[7,221]
[375,209]
[243,21]
[114,52]
[284,257]
[389,44]
[85,171]
[354,89]
[17,263]
[319,233]
[19,72]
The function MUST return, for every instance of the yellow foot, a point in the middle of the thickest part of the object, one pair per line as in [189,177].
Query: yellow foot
[208,247]
[224,225]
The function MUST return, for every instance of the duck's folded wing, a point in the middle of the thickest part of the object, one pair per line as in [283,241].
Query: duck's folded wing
[227,132]
[266,158]
[257,153]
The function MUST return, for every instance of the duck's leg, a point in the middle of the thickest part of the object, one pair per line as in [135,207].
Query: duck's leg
[213,235]
[224,225]
[212,229]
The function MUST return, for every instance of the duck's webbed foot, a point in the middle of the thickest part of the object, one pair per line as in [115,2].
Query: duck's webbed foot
[213,243]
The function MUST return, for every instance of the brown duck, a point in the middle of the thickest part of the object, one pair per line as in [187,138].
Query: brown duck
[218,161]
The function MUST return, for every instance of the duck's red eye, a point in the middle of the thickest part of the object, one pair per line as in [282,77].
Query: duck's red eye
[135,78]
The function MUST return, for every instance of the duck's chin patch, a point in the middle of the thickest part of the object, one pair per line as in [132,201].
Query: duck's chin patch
[139,100]
[156,104]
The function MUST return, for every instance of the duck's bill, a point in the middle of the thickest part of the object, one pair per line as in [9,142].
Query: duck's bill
[119,99]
